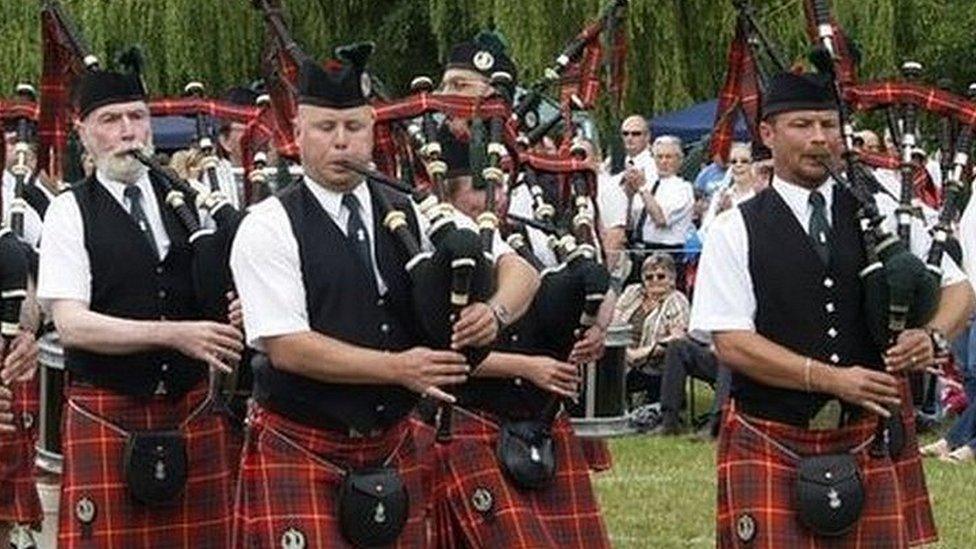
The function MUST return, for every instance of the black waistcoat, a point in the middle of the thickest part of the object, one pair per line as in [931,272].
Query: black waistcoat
[803,305]
[512,398]
[128,281]
[343,305]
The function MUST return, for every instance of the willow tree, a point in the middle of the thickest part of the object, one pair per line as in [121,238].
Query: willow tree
[677,52]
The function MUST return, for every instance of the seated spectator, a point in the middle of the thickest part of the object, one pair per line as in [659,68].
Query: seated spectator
[657,313]
[687,357]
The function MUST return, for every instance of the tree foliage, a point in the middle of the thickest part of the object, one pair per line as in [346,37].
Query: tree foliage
[677,52]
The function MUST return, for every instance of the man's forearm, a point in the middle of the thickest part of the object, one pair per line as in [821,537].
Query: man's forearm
[322,358]
[517,284]
[614,241]
[503,365]
[769,363]
[655,211]
[80,328]
[605,314]
[956,303]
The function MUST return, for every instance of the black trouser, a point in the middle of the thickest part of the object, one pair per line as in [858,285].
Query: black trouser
[642,382]
[685,357]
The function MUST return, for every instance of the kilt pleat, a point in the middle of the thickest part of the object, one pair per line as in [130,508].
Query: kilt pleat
[565,514]
[94,475]
[756,491]
[290,475]
[19,501]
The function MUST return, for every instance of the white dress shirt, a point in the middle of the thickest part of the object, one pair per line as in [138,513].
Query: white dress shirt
[32,220]
[64,271]
[520,203]
[266,263]
[716,200]
[677,199]
[612,200]
[724,295]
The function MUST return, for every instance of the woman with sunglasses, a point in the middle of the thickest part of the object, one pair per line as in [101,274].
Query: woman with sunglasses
[657,313]
[741,184]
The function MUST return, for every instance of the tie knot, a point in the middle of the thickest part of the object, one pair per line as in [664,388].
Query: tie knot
[817,200]
[132,192]
[350,201]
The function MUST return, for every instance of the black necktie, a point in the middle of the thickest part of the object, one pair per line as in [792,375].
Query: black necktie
[819,226]
[134,195]
[357,234]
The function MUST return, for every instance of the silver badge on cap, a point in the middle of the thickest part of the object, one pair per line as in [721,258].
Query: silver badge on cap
[85,510]
[293,538]
[482,500]
[484,60]
[745,528]
[365,84]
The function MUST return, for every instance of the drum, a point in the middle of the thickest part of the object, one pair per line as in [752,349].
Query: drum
[49,455]
[601,410]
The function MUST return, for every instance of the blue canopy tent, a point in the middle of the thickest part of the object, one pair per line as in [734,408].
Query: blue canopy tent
[173,132]
[694,123]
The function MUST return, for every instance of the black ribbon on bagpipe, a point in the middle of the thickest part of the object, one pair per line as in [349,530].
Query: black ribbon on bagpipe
[210,264]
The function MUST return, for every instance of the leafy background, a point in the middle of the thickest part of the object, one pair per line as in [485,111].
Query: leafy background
[677,53]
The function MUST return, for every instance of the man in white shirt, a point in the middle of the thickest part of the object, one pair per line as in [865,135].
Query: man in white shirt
[115,273]
[779,292]
[661,208]
[326,294]
[37,199]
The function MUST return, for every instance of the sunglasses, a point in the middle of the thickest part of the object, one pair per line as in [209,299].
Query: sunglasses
[740,161]
[631,134]
[656,276]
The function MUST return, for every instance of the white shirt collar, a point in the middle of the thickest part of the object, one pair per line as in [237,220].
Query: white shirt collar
[643,158]
[798,198]
[331,200]
[117,189]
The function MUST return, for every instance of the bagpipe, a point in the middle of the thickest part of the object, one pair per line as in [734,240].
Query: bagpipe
[20,168]
[210,269]
[458,271]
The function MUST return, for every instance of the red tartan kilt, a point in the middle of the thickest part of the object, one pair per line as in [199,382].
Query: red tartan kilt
[756,487]
[19,502]
[283,489]
[565,514]
[596,451]
[913,492]
[93,469]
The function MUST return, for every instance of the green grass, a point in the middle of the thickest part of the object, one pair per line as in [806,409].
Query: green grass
[661,493]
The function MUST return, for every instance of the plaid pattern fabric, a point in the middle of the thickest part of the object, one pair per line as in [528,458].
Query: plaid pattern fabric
[597,454]
[565,514]
[62,62]
[922,184]
[19,502]
[740,92]
[93,473]
[279,65]
[289,480]
[846,66]
[936,101]
[915,505]
[581,80]
[756,486]
[191,106]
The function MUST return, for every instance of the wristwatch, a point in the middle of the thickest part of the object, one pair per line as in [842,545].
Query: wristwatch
[940,343]
[502,315]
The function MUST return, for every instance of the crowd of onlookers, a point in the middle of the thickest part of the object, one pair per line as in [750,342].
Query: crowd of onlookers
[654,223]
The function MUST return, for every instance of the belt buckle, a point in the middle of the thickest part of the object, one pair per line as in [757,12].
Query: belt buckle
[354,433]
